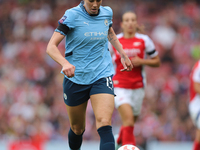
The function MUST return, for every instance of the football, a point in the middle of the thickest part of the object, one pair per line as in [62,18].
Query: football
[128,147]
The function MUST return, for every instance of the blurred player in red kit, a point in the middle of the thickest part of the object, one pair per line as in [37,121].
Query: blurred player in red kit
[194,104]
[129,86]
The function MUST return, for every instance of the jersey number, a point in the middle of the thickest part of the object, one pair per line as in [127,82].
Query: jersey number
[109,83]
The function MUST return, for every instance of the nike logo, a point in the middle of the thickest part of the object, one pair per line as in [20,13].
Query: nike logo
[86,23]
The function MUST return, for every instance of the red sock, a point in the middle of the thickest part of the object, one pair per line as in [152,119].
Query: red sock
[127,136]
[119,140]
[196,145]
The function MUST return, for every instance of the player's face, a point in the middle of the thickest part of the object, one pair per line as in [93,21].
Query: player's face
[92,6]
[129,22]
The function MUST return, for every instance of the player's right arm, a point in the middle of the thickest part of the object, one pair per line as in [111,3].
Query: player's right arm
[53,51]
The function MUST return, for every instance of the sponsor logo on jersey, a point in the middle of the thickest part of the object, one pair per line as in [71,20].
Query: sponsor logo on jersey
[87,34]
[131,52]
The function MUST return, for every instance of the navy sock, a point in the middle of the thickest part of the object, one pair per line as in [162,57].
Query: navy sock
[75,141]
[106,138]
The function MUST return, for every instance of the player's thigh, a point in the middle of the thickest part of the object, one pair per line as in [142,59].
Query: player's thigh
[77,115]
[103,106]
[102,100]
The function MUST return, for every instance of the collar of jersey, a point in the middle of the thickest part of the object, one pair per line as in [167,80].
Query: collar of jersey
[84,10]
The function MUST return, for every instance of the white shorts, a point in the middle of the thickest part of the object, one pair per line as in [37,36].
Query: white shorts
[194,109]
[129,96]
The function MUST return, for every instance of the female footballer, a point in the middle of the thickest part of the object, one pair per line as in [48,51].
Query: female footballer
[87,68]
[129,86]
[194,103]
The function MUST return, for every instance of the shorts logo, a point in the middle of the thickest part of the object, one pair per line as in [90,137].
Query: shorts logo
[65,96]
[106,22]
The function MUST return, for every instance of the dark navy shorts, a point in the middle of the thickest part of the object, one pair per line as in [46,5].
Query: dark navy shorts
[76,94]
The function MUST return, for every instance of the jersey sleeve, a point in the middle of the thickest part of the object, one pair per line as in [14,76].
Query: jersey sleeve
[196,75]
[110,16]
[150,47]
[68,19]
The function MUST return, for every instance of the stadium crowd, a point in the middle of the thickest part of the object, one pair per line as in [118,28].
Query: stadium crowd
[31,101]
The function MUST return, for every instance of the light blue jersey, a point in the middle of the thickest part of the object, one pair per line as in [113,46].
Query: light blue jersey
[87,43]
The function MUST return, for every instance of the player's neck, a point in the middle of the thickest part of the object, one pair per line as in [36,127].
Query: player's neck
[129,35]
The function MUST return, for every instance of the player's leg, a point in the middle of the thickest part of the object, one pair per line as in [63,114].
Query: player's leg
[102,100]
[127,117]
[75,97]
[103,106]
[129,103]
[77,116]
[137,97]
[122,103]
[126,114]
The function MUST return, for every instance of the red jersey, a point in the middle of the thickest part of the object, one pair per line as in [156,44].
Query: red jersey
[194,77]
[139,45]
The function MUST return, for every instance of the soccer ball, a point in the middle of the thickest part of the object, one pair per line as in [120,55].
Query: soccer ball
[128,147]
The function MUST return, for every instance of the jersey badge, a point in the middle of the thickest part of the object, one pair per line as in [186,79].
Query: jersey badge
[106,22]
[62,19]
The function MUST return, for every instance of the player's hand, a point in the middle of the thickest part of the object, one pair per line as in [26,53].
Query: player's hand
[136,61]
[69,70]
[126,64]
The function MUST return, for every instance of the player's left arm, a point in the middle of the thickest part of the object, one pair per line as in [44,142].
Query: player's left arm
[115,42]
[152,62]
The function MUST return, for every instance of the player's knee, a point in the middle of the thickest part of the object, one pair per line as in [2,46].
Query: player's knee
[78,130]
[103,121]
